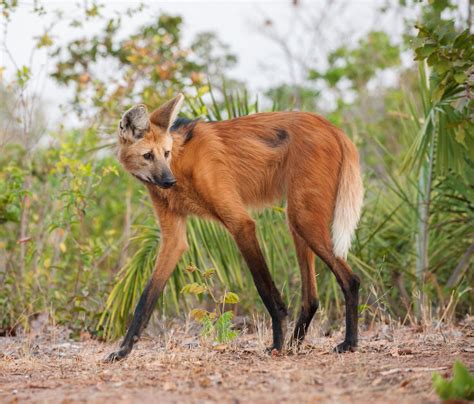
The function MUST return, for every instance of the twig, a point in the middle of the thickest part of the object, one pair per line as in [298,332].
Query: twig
[410,370]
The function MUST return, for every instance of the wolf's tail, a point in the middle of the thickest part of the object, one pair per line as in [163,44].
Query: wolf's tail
[349,198]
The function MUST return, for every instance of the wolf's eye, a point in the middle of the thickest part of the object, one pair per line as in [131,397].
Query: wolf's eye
[148,156]
[167,154]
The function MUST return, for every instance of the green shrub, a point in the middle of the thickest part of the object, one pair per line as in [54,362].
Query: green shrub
[460,386]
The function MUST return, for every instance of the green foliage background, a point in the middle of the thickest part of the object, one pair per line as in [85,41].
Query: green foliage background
[78,237]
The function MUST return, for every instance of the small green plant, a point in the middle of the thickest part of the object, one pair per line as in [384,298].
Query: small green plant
[11,194]
[216,324]
[460,386]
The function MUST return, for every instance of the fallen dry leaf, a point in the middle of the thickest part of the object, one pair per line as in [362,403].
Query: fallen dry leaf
[405,351]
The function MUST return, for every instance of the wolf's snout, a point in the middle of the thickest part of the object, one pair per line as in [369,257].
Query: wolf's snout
[166,181]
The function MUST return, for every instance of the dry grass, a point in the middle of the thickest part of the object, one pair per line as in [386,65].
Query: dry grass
[392,365]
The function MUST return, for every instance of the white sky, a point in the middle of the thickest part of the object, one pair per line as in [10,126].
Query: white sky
[237,23]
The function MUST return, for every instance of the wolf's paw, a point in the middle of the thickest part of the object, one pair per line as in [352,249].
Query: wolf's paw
[117,355]
[345,347]
[273,351]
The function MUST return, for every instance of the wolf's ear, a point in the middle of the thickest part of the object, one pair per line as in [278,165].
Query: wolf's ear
[134,123]
[165,115]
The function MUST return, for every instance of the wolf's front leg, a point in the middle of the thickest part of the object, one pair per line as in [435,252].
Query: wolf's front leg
[140,320]
[173,233]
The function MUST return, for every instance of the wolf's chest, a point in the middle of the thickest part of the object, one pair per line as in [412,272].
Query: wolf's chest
[186,200]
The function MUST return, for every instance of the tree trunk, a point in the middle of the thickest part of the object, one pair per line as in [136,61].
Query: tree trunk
[422,238]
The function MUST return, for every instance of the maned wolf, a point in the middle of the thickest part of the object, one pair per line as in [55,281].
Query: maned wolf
[217,169]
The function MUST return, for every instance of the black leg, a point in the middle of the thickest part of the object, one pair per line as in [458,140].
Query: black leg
[304,320]
[141,317]
[173,230]
[351,296]
[248,244]
[309,290]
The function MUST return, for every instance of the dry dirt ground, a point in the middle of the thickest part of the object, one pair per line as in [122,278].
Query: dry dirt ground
[392,365]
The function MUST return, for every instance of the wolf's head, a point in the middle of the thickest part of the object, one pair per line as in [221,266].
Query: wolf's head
[145,142]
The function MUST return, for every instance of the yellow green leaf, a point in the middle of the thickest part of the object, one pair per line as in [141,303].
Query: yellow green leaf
[230,298]
[194,288]
[198,314]
[209,272]
[44,41]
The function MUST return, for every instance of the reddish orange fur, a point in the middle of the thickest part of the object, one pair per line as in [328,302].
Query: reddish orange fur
[230,161]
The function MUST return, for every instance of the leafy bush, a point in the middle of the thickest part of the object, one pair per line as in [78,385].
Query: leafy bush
[460,386]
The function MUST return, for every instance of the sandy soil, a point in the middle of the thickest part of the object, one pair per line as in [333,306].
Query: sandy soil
[391,366]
